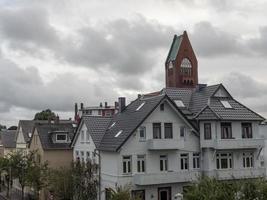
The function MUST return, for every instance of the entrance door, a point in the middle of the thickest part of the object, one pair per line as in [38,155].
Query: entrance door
[164,193]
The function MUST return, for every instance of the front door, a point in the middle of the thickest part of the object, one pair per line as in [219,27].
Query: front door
[164,193]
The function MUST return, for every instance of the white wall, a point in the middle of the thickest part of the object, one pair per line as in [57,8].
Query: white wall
[83,145]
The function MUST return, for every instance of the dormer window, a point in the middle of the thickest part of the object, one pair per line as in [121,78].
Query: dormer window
[139,107]
[186,67]
[170,65]
[61,138]
[179,103]
[226,104]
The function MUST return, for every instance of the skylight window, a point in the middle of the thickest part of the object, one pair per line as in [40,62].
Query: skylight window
[113,124]
[226,104]
[179,103]
[139,107]
[117,135]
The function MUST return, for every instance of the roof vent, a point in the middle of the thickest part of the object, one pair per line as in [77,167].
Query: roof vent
[117,135]
[113,124]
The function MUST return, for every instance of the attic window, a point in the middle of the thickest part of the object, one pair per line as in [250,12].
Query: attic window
[170,65]
[226,104]
[113,124]
[117,135]
[179,103]
[139,107]
[61,138]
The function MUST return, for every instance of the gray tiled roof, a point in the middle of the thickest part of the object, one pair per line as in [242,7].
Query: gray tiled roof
[28,125]
[96,126]
[201,104]
[8,138]
[129,120]
[46,132]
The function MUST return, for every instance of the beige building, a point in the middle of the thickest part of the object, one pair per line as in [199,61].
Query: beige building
[52,141]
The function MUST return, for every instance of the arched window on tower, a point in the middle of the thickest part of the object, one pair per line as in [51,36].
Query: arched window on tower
[186,67]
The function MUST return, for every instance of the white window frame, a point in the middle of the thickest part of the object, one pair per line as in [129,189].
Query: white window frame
[82,136]
[141,164]
[62,141]
[87,136]
[179,103]
[163,162]
[224,155]
[127,160]
[184,159]
[140,106]
[248,160]
[226,104]
[196,160]
[142,128]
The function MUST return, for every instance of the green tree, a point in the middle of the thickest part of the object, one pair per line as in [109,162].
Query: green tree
[85,180]
[61,183]
[45,115]
[122,193]
[4,166]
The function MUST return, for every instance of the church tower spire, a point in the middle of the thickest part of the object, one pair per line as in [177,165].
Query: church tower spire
[181,66]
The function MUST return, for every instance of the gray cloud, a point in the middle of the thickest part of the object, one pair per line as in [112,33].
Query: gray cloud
[25,88]
[210,41]
[126,47]
[251,92]
[27,28]
[259,44]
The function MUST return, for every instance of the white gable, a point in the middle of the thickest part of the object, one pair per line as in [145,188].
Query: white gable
[221,93]
[20,137]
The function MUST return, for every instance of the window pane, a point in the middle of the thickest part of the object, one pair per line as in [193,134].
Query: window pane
[156,130]
[168,130]
[207,131]
[224,164]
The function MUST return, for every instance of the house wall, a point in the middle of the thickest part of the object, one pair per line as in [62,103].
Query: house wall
[112,162]
[83,145]
[58,158]
[20,143]
[209,154]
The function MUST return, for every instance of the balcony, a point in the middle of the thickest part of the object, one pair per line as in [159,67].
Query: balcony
[166,178]
[251,143]
[165,144]
[226,174]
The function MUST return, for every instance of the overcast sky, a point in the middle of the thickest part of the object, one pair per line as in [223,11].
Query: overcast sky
[56,53]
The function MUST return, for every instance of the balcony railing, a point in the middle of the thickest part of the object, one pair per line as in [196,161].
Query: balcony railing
[166,178]
[165,144]
[251,143]
[226,174]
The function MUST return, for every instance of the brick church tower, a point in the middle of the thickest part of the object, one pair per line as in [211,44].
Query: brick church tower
[181,64]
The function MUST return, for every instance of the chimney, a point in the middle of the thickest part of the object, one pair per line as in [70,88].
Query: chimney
[81,106]
[57,120]
[122,101]
[101,105]
[75,110]
[199,87]
[106,104]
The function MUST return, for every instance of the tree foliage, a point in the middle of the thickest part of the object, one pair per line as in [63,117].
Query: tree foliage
[212,189]
[45,115]
[80,182]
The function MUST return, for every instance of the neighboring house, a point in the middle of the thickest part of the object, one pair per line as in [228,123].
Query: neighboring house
[52,142]
[164,140]
[101,110]
[88,136]
[7,142]
[25,130]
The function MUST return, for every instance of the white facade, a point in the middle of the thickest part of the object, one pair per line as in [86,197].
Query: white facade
[84,147]
[153,179]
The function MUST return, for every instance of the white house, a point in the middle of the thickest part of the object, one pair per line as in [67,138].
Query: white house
[162,141]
